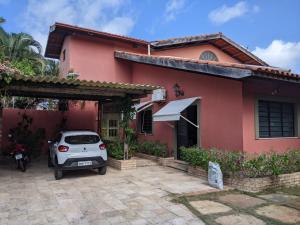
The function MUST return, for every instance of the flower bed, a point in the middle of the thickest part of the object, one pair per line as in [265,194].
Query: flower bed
[247,173]
[153,148]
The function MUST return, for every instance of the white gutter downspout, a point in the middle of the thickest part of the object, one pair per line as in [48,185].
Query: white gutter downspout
[149,49]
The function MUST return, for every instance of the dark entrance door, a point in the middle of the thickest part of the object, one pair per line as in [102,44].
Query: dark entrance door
[186,132]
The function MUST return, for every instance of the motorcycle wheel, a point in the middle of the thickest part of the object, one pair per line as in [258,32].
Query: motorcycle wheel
[22,165]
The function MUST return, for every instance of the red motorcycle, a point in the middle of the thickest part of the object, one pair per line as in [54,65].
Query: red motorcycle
[20,155]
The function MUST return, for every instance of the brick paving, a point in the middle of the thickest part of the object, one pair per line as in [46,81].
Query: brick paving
[138,196]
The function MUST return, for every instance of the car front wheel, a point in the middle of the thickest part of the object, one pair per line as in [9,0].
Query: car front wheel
[102,170]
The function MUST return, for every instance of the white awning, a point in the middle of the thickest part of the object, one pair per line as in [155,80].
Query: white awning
[171,111]
[141,105]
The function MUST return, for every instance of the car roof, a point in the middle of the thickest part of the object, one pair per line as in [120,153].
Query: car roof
[78,132]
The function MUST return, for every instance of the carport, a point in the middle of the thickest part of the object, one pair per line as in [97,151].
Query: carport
[15,84]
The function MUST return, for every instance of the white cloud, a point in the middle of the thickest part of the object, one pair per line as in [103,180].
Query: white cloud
[108,15]
[173,8]
[119,25]
[281,54]
[226,13]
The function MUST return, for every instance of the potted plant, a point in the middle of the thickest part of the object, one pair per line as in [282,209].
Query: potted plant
[72,74]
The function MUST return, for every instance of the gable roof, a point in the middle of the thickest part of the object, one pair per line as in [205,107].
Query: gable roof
[218,40]
[59,31]
[226,70]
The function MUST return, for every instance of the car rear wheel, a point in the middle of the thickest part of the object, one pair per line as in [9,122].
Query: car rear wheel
[102,170]
[58,174]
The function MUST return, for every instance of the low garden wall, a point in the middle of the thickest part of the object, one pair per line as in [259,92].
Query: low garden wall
[141,161]
[246,173]
[253,184]
[121,164]
[263,183]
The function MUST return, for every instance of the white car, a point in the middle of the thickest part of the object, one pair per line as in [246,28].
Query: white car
[73,150]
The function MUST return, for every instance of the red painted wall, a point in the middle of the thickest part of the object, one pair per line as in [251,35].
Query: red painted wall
[194,52]
[49,120]
[253,90]
[220,105]
[94,59]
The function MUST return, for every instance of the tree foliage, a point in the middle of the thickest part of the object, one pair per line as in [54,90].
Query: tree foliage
[21,54]
[24,53]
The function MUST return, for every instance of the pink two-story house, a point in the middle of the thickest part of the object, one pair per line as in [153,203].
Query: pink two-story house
[214,92]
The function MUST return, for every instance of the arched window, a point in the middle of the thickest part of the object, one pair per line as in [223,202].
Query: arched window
[209,56]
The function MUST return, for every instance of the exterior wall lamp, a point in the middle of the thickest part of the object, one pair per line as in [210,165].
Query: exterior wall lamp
[178,90]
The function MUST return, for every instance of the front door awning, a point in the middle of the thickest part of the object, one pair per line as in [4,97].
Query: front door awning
[143,105]
[172,111]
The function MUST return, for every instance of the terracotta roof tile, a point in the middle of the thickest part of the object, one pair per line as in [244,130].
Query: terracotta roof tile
[17,76]
[268,70]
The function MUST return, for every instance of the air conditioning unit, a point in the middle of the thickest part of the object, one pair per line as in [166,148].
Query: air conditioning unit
[159,95]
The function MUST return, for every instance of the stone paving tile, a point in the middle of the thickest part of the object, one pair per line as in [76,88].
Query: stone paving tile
[279,197]
[137,196]
[294,203]
[209,207]
[240,219]
[241,200]
[281,213]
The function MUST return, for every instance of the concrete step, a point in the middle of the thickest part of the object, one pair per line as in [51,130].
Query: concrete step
[177,164]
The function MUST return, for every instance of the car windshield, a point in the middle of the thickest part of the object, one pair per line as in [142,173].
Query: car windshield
[82,139]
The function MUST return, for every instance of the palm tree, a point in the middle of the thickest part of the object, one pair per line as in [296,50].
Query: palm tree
[22,46]
[51,67]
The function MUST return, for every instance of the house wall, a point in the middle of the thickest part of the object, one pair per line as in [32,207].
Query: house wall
[220,105]
[94,59]
[64,64]
[49,120]
[256,89]
[194,52]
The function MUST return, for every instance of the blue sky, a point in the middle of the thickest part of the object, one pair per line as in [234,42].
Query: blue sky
[270,29]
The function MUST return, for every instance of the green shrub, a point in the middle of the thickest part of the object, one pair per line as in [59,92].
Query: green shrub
[153,148]
[256,167]
[195,156]
[234,164]
[115,150]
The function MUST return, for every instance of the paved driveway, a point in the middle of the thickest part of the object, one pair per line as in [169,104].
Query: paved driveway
[140,196]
